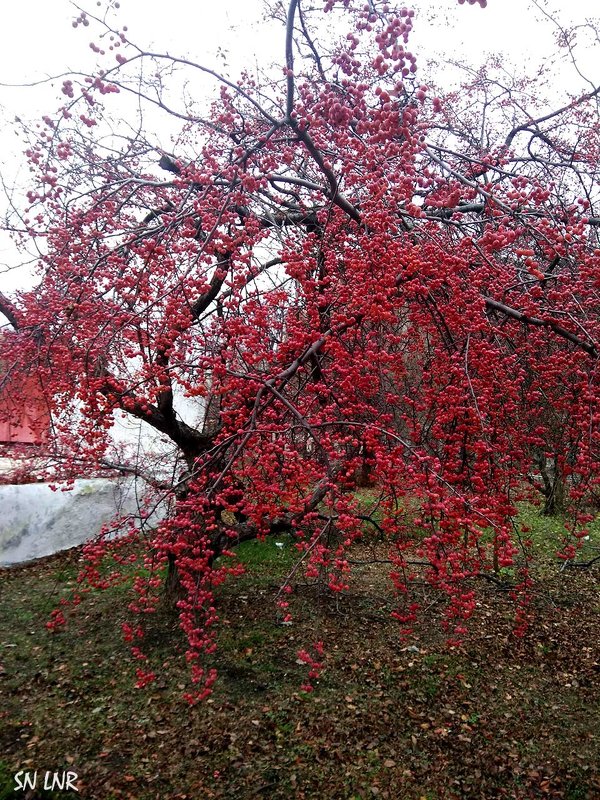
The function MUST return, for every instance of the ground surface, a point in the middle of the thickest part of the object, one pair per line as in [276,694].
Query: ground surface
[499,718]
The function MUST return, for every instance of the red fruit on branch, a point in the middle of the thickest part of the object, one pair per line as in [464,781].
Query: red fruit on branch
[331,284]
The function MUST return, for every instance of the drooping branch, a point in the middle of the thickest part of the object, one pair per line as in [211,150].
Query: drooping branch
[513,313]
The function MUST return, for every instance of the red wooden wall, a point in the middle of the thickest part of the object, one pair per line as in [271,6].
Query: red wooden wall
[24,417]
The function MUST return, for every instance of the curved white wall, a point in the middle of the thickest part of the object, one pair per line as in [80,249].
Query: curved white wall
[36,521]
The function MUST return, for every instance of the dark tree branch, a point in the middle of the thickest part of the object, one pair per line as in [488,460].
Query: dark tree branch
[289,59]
[527,125]
[9,310]
[202,303]
[334,194]
[580,564]
[494,305]
[169,164]
[191,441]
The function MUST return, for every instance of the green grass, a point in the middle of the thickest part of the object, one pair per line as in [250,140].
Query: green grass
[548,533]
[268,555]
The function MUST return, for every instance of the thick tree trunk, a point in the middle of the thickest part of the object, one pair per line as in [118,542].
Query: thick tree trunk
[229,535]
[173,590]
[364,474]
[555,492]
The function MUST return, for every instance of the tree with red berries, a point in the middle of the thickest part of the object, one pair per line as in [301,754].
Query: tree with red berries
[350,277]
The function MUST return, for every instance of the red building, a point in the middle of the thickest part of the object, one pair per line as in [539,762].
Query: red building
[24,415]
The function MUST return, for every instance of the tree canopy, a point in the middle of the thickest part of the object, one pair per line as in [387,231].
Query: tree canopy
[356,280]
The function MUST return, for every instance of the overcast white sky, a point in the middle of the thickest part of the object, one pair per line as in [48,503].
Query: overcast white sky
[36,37]
[37,40]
